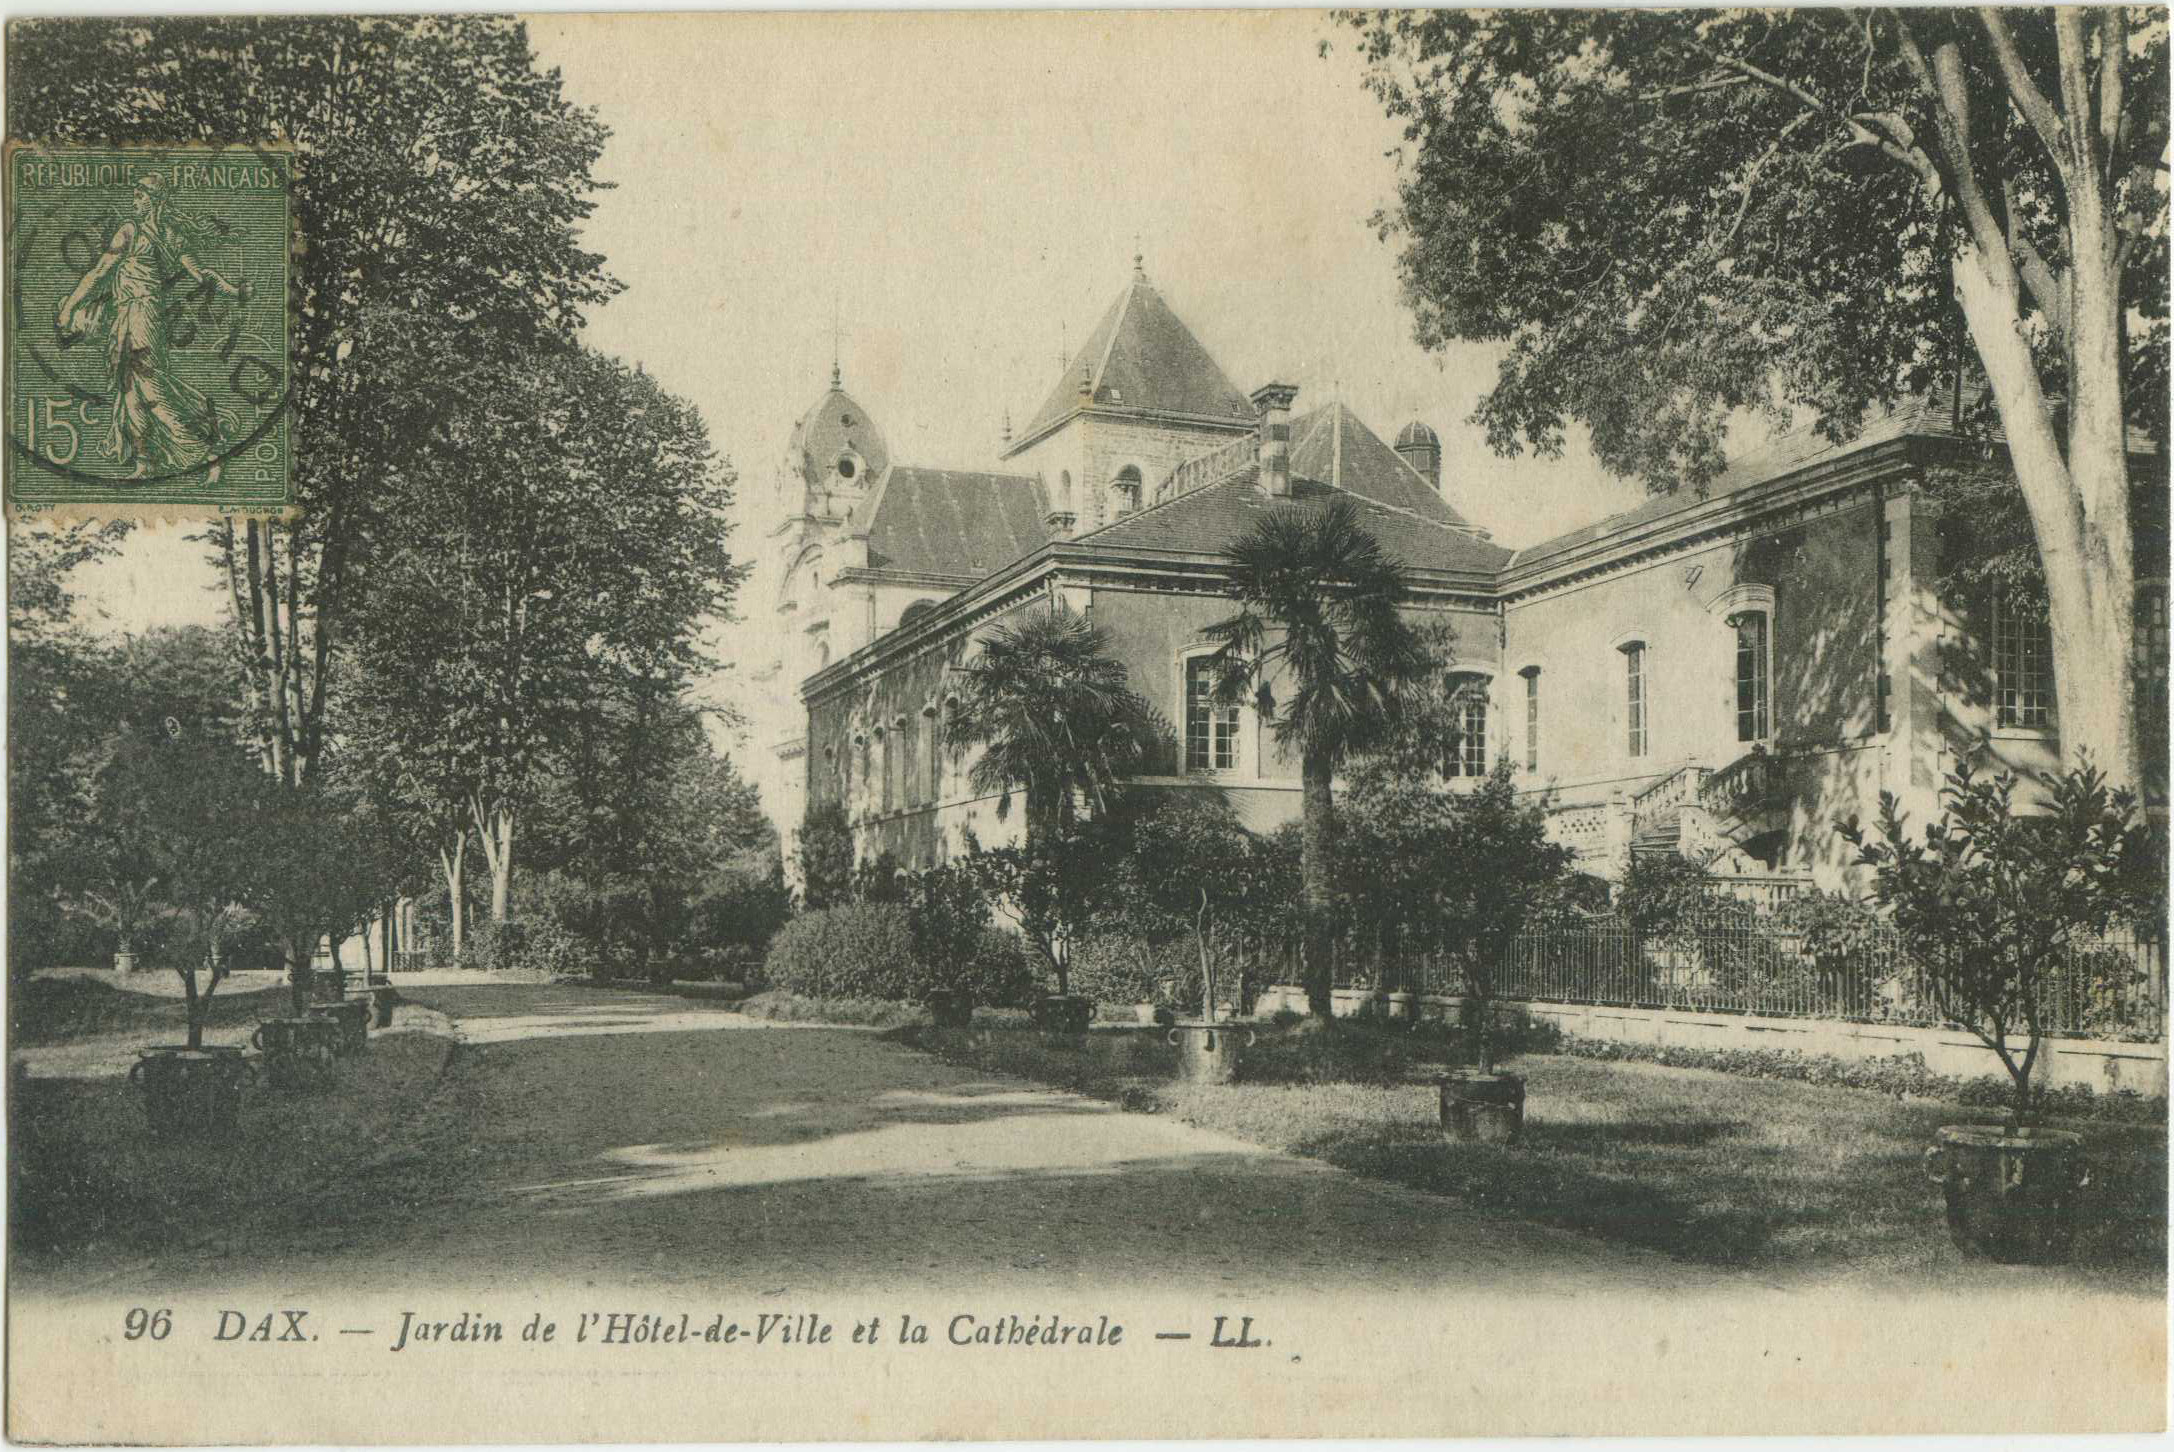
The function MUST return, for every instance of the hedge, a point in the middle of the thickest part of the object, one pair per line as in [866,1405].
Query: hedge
[1902,1075]
[867,950]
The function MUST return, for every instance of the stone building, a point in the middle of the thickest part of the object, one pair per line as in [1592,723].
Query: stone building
[1720,674]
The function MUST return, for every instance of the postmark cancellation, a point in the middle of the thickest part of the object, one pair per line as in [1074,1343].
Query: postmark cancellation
[149,295]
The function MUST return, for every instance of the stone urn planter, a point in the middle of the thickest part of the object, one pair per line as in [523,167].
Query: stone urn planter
[1064,1015]
[951,1008]
[1402,1007]
[1482,1108]
[191,1093]
[382,1001]
[298,1052]
[353,1017]
[2011,1193]
[1210,1052]
[124,961]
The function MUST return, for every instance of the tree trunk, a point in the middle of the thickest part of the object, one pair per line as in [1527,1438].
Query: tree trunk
[502,867]
[298,972]
[1317,829]
[2078,500]
[195,1009]
[456,889]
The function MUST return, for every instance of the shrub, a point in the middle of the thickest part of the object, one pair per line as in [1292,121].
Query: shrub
[1118,967]
[1901,1075]
[947,914]
[1001,972]
[855,950]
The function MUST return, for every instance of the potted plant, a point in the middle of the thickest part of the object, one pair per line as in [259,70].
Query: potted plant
[1988,903]
[182,810]
[1463,867]
[1187,867]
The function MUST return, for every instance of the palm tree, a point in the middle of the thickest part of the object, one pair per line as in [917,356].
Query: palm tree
[1053,714]
[1319,604]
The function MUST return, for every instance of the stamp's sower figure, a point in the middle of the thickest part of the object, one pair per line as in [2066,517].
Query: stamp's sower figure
[158,417]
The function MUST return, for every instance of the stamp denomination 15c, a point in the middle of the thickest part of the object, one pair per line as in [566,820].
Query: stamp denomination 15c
[148,356]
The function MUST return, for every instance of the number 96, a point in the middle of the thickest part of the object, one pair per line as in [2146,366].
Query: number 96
[140,1323]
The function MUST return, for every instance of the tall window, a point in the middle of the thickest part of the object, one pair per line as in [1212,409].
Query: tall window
[909,774]
[1634,666]
[1753,715]
[1211,731]
[933,727]
[2022,668]
[1532,717]
[1471,758]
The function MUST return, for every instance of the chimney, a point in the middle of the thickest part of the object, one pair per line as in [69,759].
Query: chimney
[1273,402]
[1420,447]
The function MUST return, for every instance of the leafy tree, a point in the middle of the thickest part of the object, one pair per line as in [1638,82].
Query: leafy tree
[1991,899]
[824,856]
[1816,209]
[62,694]
[1188,869]
[407,297]
[1051,713]
[566,545]
[1464,869]
[181,821]
[1049,886]
[1319,608]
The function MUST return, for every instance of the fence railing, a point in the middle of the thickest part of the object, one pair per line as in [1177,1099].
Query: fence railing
[2115,987]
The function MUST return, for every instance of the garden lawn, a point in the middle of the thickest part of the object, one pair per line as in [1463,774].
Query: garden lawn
[1705,1166]
[51,1010]
[90,1183]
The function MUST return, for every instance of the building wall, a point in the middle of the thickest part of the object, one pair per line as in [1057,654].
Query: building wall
[1823,569]
[1093,447]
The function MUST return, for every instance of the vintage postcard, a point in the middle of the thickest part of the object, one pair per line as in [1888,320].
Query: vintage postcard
[147,346]
[1083,726]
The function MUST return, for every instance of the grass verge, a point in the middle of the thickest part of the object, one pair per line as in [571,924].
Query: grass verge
[88,1179]
[47,1011]
[1696,1164]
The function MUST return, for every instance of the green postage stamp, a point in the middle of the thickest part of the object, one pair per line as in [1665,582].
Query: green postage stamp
[147,334]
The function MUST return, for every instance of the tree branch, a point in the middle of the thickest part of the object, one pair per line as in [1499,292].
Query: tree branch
[2023,90]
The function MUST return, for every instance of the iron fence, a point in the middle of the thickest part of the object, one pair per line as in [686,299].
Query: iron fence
[2113,987]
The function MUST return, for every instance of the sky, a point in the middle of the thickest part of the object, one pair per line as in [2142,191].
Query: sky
[964,193]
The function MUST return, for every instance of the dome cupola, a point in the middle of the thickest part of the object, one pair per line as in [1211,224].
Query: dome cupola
[1420,447]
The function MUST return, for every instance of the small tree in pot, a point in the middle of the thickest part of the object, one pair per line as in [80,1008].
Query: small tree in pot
[1190,867]
[1989,902]
[192,806]
[1049,887]
[1463,869]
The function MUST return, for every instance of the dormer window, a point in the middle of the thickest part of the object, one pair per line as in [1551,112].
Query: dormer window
[1125,489]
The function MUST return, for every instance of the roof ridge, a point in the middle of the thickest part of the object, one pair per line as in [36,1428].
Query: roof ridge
[1109,344]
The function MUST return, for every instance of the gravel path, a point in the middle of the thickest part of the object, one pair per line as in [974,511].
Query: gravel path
[632,1140]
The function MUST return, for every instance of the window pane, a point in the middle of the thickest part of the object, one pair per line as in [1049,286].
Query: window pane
[1532,720]
[1211,732]
[1751,684]
[1635,667]
[2022,668]
[1198,685]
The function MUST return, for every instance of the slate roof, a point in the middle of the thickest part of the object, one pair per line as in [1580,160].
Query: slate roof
[950,522]
[1140,357]
[1331,444]
[1333,455]
[1926,417]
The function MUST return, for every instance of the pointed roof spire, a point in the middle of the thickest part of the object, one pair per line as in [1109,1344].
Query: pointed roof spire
[836,344]
[1140,359]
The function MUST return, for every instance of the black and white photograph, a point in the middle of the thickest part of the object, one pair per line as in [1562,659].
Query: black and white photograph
[1086,725]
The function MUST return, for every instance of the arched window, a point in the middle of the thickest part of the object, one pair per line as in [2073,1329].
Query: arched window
[932,736]
[915,611]
[1125,490]
[1754,658]
[1470,704]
